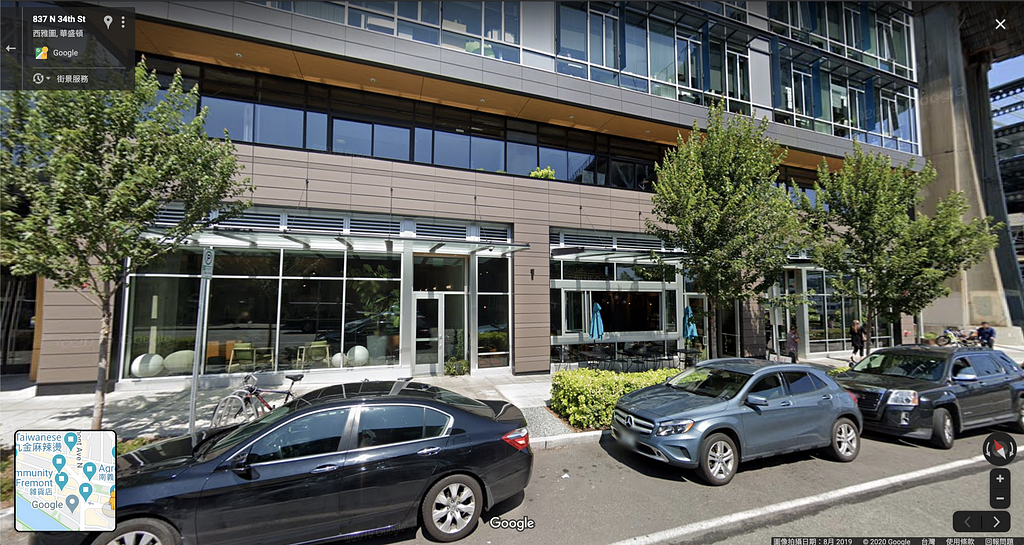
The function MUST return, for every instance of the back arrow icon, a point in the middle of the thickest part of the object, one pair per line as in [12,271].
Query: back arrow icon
[9,48]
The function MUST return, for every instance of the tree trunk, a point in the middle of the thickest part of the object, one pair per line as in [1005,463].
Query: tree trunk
[871,331]
[101,372]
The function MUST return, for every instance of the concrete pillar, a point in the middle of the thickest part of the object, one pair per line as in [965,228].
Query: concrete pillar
[752,331]
[977,295]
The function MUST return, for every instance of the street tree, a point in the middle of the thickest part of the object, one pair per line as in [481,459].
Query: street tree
[717,200]
[867,226]
[86,173]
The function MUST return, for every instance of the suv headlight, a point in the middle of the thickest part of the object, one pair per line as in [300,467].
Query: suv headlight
[903,397]
[674,427]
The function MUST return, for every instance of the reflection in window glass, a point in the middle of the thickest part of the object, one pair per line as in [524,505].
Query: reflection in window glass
[162,321]
[389,425]
[572,32]
[311,319]
[573,311]
[352,137]
[512,22]
[318,433]
[629,311]
[493,275]
[462,17]
[371,21]
[278,126]
[670,311]
[439,273]
[636,45]
[662,51]
[181,261]
[501,52]
[365,265]
[235,117]
[460,42]
[424,146]
[316,131]
[487,154]
[238,262]
[522,159]
[574,270]
[556,311]
[306,263]
[242,322]
[391,142]
[556,159]
[372,323]
[493,331]
[577,167]
[420,33]
[451,150]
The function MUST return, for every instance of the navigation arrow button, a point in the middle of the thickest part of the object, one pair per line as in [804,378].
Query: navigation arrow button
[9,48]
[995,521]
[966,521]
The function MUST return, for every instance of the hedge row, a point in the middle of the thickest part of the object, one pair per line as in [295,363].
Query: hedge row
[586,397]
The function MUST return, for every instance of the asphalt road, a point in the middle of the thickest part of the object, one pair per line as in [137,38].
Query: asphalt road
[600,494]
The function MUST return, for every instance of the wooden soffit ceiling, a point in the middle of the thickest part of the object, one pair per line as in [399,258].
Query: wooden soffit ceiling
[204,47]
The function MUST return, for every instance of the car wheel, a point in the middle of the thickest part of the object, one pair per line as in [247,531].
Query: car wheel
[1018,426]
[718,459]
[451,508]
[845,440]
[943,433]
[140,532]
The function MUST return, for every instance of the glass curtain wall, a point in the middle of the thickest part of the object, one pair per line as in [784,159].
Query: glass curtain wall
[268,310]
[830,316]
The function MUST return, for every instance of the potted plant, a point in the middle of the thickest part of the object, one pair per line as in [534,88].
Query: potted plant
[456,367]
[929,338]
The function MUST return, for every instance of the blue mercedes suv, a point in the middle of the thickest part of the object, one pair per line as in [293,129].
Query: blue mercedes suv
[725,411]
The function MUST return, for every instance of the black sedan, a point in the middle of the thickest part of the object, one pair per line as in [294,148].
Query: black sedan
[932,393]
[344,461]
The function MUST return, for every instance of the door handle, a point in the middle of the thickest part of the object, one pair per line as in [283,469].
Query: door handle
[826,396]
[786,404]
[429,451]
[325,469]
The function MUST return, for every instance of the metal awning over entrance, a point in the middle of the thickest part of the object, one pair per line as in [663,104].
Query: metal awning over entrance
[623,257]
[249,238]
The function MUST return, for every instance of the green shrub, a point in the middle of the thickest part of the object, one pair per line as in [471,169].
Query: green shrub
[838,371]
[545,173]
[930,336]
[586,397]
[498,340]
[456,367]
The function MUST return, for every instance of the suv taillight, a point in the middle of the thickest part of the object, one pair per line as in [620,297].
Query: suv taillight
[518,438]
[853,396]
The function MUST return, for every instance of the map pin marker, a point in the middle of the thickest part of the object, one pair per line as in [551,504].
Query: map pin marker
[72,502]
[70,440]
[59,461]
[108,19]
[61,479]
[86,490]
[89,470]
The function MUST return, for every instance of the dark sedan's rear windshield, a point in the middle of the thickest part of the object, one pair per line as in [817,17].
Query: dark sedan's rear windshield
[717,383]
[916,366]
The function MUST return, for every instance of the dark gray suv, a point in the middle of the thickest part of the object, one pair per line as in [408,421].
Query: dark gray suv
[725,411]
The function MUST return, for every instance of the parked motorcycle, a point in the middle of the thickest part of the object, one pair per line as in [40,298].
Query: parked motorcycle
[953,336]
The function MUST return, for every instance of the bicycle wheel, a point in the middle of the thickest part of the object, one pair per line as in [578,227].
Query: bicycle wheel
[229,411]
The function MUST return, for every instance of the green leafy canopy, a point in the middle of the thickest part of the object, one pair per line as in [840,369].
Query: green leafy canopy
[867,225]
[716,199]
[87,172]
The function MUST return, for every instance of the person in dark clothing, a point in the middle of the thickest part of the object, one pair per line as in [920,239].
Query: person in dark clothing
[987,335]
[792,344]
[857,335]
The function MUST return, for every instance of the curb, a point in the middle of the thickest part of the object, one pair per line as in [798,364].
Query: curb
[556,441]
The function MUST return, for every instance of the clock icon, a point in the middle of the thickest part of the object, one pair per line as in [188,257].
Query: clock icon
[37,78]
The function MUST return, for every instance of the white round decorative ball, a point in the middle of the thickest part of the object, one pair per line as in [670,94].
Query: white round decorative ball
[180,362]
[358,355]
[337,359]
[147,365]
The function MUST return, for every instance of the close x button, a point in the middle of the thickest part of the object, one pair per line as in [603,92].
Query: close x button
[981,521]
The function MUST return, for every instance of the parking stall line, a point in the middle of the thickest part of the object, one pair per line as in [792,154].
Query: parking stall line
[825,498]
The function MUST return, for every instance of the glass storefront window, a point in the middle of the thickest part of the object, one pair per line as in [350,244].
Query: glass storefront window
[493,331]
[372,323]
[493,275]
[242,323]
[311,319]
[624,311]
[181,261]
[306,263]
[670,311]
[556,311]
[573,311]
[574,270]
[162,327]
[364,265]
[439,273]
[238,262]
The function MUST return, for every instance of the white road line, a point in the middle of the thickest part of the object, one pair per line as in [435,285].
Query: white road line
[705,525]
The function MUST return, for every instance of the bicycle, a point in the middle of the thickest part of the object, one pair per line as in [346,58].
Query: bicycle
[954,336]
[247,403]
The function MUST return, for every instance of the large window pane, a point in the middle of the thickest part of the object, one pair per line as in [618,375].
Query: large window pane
[391,142]
[352,137]
[468,44]
[420,33]
[372,322]
[522,159]
[235,117]
[492,20]
[636,45]
[374,266]
[556,311]
[278,126]
[556,159]
[487,154]
[501,52]
[663,53]
[492,331]
[493,275]
[371,21]
[311,314]
[439,273]
[162,327]
[451,150]
[629,311]
[575,270]
[573,311]
[424,146]
[246,262]
[242,323]
[316,131]
[181,261]
[462,17]
[572,31]
[512,22]
[717,83]
[578,165]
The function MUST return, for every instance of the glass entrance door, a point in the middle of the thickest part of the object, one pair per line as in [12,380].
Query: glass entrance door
[440,331]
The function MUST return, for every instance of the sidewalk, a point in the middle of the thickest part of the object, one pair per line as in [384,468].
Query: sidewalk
[165,413]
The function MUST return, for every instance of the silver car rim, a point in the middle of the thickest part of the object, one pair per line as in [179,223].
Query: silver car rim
[720,460]
[947,429]
[453,508]
[846,439]
[139,537]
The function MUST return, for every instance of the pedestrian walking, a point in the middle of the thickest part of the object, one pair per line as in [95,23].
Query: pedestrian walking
[987,335]
[857,338]
[792,344]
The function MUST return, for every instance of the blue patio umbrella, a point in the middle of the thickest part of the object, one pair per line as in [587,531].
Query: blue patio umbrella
[596,324]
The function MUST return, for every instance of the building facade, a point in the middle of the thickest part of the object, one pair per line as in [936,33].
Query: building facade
[397,227]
